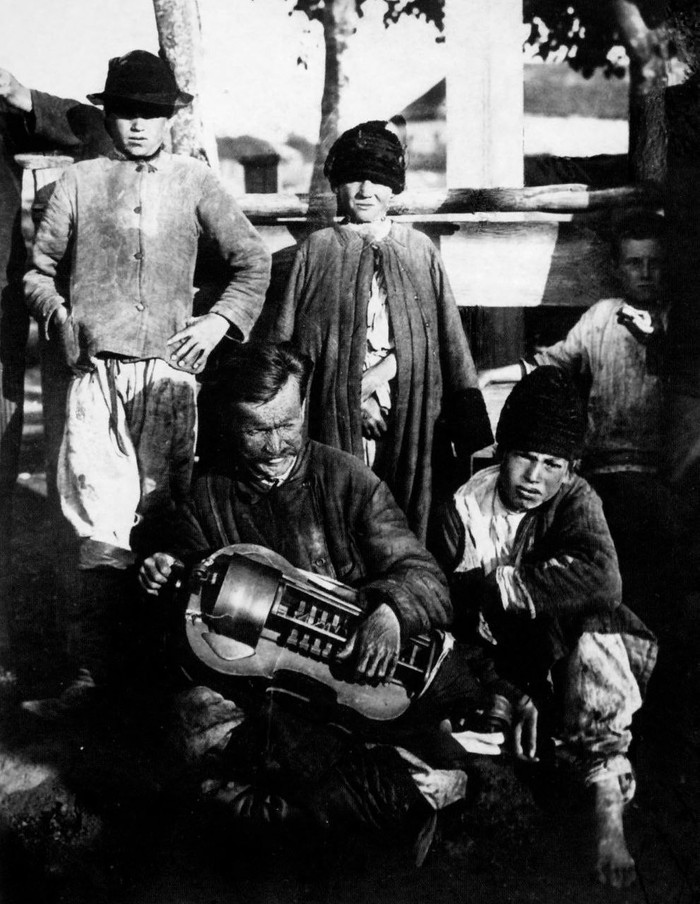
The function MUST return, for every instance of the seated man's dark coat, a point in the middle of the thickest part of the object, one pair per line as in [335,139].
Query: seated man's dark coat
[332,516]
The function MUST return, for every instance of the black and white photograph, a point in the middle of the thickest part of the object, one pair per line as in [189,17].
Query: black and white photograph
[350,451]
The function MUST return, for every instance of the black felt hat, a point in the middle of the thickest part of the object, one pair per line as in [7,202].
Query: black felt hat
[544,413]
[368,151]
[141,77]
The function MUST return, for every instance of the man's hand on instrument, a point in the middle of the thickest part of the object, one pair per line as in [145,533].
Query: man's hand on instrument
[156,571]
[374,645]
[13,93]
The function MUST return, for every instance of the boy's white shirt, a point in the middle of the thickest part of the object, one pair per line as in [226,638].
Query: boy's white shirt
[490,529]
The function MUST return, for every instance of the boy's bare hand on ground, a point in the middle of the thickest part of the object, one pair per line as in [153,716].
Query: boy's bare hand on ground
[156,570]
[192,345]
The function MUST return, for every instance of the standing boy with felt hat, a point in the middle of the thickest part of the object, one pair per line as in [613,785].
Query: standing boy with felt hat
[112,282]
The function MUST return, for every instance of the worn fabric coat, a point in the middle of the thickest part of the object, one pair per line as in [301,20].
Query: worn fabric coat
[332,516]
[552,605]
[324,312]
[565,565]
[118,246]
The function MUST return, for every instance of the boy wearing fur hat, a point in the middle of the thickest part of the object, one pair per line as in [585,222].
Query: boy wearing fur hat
[111,282]
[370,303]
[535,576]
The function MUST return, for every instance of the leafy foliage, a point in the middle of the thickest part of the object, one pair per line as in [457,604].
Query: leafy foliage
[587,30]
[314,8]
[584,30]
[432,11]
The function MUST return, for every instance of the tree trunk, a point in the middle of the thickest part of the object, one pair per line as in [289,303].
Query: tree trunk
[180,37]
[647,51]
[339,25]
[647,123]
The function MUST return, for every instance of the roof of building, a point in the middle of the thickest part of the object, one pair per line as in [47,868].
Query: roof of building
[245,147]
[551,89]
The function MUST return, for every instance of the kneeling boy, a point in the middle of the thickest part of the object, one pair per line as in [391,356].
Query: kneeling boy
[535,574]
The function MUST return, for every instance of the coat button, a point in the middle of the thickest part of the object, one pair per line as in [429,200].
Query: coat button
[139,307]
[138,256]
[320,561]
[137,209]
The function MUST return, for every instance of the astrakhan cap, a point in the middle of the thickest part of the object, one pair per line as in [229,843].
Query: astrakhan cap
[544,413]
[367,151]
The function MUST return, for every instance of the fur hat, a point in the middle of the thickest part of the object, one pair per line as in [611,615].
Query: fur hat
[141,77]
[368,151]
[544,413]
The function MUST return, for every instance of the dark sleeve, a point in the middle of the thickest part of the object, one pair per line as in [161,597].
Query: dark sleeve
[187,539]
[478,660]
[448,537]
[64,124]
[196,529]
[283,320]
[463,408]
[576,572]
[407,578]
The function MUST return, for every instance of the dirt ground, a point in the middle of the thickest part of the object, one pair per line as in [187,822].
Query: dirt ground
[88,816]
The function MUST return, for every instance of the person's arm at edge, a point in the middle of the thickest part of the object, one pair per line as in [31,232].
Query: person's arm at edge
[509,373]
[47,119]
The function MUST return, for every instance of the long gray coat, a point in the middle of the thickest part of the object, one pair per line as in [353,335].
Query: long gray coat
[324,312]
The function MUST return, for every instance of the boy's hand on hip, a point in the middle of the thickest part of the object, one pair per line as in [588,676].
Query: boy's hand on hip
[191,346]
